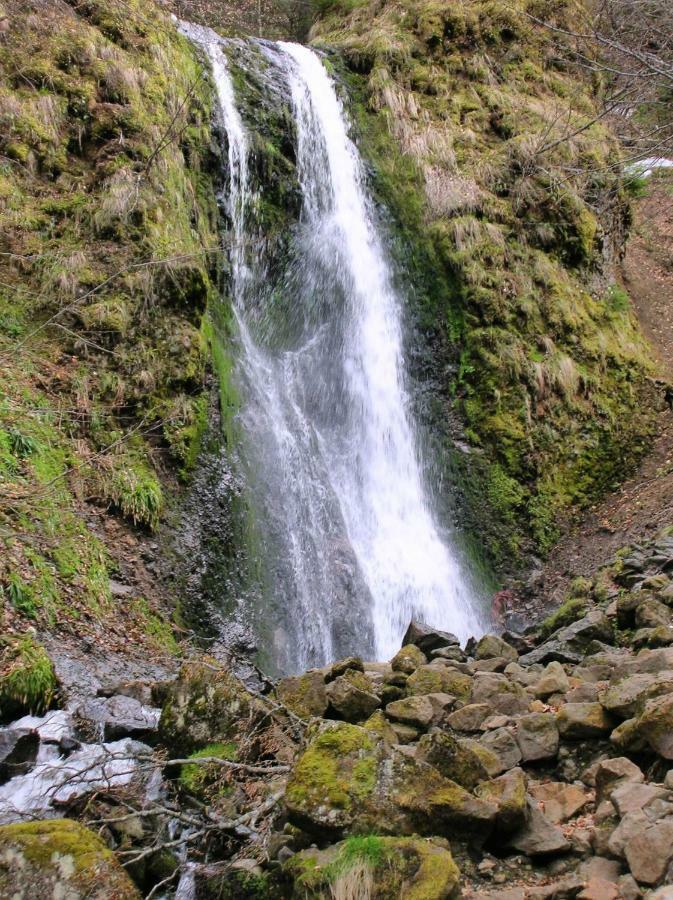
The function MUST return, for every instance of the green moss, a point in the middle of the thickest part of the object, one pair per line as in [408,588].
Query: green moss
[205,781]
[340,764]
[569,612]
[27,679]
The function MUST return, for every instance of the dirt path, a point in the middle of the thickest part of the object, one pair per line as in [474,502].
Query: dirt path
[645,502]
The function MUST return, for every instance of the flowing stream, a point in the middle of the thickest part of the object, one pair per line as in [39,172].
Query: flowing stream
[353,546]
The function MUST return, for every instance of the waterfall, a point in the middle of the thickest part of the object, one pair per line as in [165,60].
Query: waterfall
[353,547]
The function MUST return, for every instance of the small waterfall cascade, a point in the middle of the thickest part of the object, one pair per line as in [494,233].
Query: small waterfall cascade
[353,547]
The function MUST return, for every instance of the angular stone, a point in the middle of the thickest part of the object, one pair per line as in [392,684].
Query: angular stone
[633,823]
[452,759]
[537,736]
[493,664]
[650,852]
[470,718]
[583,720]
[416,711]
[408,659]
[503,695]
[490,760]
[347,781]
[491,647]
[651,613]
[406,734]
[120,717]
[18,752]
[426,638]
[599,889]
[655,725]
[502,742]
[559,801]
[60,858]
[354,663]
[583,693]
[553,681]
[611,773]
[508,793]
[436,678]
[626,697]
[349,697]
[631,796]
[539,837]
[305,695]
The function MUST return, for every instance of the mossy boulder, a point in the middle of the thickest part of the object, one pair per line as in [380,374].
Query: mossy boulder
[382,868]
[27,678]
[655,725]
[491,647]
[452,759]
[583,720]
[436,678]
[351,696]
[498,691]
[59,858]
[349,782]
[304,694]
[408,659]
[205,705]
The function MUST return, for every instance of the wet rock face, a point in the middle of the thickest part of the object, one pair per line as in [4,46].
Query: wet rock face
[61,859]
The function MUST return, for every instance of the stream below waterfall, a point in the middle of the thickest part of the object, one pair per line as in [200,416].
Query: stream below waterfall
[351,543]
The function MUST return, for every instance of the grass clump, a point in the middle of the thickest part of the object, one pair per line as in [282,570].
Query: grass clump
[27,679]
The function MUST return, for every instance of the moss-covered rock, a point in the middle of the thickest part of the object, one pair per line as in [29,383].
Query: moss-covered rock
[408,659]
[383,868]
[508,792]
[452,759]
[436,678]
[205,705]
[59,858]
[348,781]
[304,695]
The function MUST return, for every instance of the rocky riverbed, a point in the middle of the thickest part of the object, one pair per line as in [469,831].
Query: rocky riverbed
[518,767]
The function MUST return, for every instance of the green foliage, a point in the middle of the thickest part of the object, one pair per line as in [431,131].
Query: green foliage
[207,779]
[617,299]
[27,679]
[20,595]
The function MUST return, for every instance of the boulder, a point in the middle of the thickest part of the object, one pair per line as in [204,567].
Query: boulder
[611,773]
[354,663]
[351,697]
[60,858]
[655,725]
[498,691]
[559,801]
[205,705]
[428,639]
[492,647]
[408,659]
[571,643]
[436,678]
[537,736]
[120,716]
[508,793]
[18,752]
[304,695]
[651,613]
[576,721]
[502,743]
[650,852]
[631,796]
[395,867]
[452,759]
[553,681]
[626,697]
[539,837]
[415,711]
[348,781]
[490,760]
[470,718]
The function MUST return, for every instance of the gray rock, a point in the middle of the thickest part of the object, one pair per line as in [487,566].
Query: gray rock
[470,718]
[491,647]
[416,711]
[18,752]
[350,700]
[650,852]
[553,681]
[539,837]
[632,796]
[502,694]
[583,720]
[501,741]
[612,773]
[560,801]
[537,736]
[426,638]
[120,717]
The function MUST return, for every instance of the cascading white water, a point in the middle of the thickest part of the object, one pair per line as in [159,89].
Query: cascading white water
[353,545]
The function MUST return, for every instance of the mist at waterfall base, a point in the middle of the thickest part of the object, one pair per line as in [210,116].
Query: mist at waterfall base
[351,546]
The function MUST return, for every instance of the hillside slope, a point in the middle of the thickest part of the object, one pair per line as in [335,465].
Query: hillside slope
[511,216]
